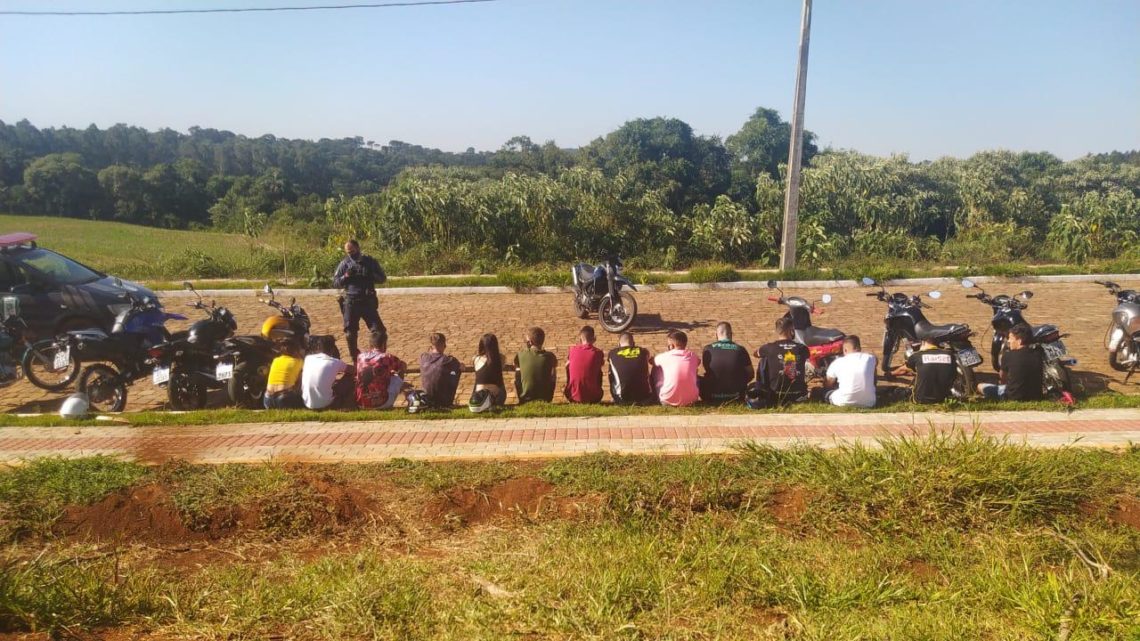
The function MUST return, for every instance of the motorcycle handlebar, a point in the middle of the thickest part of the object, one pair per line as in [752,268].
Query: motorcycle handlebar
[774,299]
[873,294]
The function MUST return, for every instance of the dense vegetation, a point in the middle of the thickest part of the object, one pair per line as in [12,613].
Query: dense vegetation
[652,190]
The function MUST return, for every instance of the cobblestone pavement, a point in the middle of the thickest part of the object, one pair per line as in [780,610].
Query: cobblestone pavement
[1081,309]
[537,438]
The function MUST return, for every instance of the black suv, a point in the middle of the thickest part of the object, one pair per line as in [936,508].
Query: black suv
[58,294]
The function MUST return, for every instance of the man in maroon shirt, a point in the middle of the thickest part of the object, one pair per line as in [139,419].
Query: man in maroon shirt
[584,370]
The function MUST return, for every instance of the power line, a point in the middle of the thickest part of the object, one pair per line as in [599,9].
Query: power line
[326,7]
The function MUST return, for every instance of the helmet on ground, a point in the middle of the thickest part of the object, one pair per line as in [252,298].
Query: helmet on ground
[75,406]
[480,401]
[752,398]
[417,400]
[276,328]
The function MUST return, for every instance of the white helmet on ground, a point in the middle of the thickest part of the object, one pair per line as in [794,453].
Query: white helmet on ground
[480,401]
[75,406]
[417,400]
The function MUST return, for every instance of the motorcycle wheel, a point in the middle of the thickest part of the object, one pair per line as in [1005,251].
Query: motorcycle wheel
[105,389]
[39,366]
[184,391]
[964,386]
[1117,358]
[1057,379]
[247,386]
[579,310]
[617,323]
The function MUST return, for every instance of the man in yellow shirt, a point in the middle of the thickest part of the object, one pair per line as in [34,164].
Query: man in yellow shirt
[282,389]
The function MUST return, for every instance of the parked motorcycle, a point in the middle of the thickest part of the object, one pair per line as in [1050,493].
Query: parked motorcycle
[243,363]
[908,326]
[1123,336]
[824,345]
[36,362]
[137,328]
[187,364]
[598,289]
[1007,313]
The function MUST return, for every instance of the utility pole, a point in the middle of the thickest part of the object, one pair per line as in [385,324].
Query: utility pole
[796,148]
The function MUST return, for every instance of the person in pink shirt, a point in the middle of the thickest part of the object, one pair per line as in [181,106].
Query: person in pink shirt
[584,370]
[675,372]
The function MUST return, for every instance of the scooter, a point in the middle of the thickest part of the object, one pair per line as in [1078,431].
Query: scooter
[1123,336]
[1007,313]
[19,360]
[824,345]
[186,365]
[243,362]
[907,325]
[136,329]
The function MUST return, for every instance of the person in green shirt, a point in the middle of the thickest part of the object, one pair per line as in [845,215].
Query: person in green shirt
[535,369]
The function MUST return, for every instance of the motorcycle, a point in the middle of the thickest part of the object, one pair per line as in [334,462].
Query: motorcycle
[187,365]
[1123,336]
[243,362]
[906,324]
[1007,313]
[598,289]
[137,328]
[19,360]
[824,345]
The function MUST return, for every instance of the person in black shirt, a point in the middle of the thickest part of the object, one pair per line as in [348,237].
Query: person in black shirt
[629,372]
[934,373]
[1021,369]
[728,369]
[439,373]
[780,371]
[358,275]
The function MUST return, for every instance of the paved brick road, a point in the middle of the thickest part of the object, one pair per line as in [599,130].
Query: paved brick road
[531,438]
[1082,309]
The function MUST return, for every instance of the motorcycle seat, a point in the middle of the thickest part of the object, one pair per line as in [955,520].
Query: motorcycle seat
[585,272]
[819,335]
[926,331]
[1041,331]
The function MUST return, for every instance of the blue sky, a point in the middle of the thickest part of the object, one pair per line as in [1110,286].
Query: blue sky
[924,77]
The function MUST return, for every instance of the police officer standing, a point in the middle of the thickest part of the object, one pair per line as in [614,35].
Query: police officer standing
[358,275]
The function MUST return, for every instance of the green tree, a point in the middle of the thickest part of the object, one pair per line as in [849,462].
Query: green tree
[59,185]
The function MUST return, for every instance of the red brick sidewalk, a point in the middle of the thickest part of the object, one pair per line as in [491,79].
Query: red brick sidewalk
[529,438]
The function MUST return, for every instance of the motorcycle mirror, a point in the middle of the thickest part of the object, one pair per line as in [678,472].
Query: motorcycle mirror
[187,285]
[771,284]
[118,282]
[825,299]
[967,283]
[1025,294]
[267,289]
[292,301]
[868,282]
[935,294]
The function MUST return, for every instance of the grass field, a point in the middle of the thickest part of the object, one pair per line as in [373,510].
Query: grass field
[941,538]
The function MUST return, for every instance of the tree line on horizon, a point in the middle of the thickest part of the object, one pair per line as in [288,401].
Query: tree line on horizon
[651,190]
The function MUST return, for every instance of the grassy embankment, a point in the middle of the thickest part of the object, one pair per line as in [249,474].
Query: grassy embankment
[940,538]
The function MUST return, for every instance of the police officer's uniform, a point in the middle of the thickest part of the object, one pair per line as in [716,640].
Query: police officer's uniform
[359,277]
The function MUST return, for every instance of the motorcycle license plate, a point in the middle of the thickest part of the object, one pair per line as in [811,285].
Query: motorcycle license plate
[62,358]
[969,357]
[160,375]
[224,371]
[1054,351]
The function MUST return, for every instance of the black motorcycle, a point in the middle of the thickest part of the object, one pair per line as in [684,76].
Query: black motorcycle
[187,364]
[36,362]
[139,327]
[244,361]
[598,289]
[1007,313]
[908,326]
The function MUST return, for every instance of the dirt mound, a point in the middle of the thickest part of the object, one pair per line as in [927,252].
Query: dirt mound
[1126,511]
[526,497]
[788,505]
[142,513]
[922,570]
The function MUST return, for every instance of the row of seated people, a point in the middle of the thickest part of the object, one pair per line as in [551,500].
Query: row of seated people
[320,379]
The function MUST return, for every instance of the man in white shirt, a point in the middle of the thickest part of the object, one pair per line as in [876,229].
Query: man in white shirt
[853,374]
[320,386]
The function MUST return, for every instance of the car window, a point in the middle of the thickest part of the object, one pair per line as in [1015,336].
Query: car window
[59,269]
[9,276]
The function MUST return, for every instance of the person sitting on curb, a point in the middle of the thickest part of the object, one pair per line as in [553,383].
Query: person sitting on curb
[284,374]
[536,370]
[584,369]
[379,375]
[853,375]
[934,373]
[675,372]
[439,373]
[326,381]
[488,364]
[728,369]
[780,371]
[629,372]
[1021,369]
